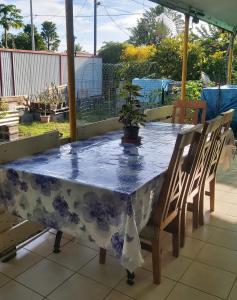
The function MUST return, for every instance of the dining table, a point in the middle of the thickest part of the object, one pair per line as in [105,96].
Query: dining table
[100,189]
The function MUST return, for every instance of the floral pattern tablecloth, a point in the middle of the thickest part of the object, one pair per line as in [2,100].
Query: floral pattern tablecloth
[99,188]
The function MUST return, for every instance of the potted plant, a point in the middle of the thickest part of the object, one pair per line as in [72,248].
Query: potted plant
[131,114]
[56,98]
[44,99]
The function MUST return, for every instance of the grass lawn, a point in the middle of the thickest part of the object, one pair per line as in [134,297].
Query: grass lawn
[37,128]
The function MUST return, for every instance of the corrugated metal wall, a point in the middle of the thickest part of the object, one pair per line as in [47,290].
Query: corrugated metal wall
[7,78]
[27,73]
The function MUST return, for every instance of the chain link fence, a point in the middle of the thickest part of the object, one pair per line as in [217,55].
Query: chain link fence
[155,92]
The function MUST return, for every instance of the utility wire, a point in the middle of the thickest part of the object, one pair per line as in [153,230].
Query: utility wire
[140,3]
[115,23]
[88,16]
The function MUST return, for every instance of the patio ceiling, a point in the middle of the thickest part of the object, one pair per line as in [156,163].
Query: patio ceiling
[217,12]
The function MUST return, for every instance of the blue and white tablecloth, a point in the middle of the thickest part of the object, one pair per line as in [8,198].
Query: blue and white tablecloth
[97,188]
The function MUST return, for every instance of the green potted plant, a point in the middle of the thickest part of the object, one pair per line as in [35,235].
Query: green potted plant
[55,97]
[44,99]
[131,114]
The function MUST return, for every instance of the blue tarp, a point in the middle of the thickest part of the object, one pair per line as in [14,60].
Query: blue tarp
[220,100]
[152,88]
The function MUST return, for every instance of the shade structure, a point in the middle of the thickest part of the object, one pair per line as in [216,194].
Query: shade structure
[216,12]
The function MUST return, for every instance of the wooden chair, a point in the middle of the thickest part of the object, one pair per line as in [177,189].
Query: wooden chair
[167,213]
[187,112]
[213,163]
[13,230]
[199,172]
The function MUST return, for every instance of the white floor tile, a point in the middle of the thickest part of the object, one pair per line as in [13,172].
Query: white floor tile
[144,289]
[114,295]
[209,279]
[44,277]
[16,291]
[23,261]
[73,256]
[182,292]
[172,267]
[79,287]
[3,279]
[108,274]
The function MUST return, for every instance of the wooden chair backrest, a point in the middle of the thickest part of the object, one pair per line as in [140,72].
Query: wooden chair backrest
[175,182]
[187,112]
[211,131]
[10,151]
[220,141]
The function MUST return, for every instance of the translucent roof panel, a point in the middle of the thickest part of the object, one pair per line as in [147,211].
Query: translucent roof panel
[217,12]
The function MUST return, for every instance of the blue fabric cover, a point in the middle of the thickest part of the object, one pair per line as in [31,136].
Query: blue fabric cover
[221,100]
[152,88]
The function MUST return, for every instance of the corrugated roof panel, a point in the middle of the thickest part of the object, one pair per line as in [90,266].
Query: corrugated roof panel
[217,12]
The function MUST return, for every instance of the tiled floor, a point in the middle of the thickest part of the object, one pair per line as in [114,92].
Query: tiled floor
[205,270]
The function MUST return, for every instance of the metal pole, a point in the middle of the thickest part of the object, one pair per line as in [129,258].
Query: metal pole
[95,27]
[230,61]
[71,69]
[185,58]
[32,27]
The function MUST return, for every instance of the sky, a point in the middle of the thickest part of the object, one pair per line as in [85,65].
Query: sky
[115,17]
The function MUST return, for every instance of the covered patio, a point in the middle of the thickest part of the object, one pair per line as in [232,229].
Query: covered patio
[205,270]
[206,267]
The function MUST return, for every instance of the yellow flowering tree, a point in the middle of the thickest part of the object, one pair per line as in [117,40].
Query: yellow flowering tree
[138,53]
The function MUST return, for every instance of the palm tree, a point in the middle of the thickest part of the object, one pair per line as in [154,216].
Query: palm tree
[10,17]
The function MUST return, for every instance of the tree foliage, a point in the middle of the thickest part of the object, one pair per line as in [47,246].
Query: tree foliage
[23,39]
[50,36]
[138,53]
[151,29]
[111,52]
[78,48]
[10,17]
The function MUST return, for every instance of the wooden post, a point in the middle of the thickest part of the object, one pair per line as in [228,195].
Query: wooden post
[230,61]
[185,58]
[71,69]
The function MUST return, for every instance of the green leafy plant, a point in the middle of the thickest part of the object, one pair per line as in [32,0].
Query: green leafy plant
[44,99]
[3,108]
[194,89]
[55,97]
[131,114]
[51,96]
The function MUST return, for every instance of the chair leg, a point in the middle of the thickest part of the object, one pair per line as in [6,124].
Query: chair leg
[196,211]
[176,236]
[156,260]
[57,241]
[212,194]
[183,226]
[102,256]
[201,206]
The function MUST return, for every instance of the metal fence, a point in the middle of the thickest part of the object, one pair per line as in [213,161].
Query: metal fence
[29,73]
[98,86]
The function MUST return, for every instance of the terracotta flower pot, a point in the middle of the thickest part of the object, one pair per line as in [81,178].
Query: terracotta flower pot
[44,119]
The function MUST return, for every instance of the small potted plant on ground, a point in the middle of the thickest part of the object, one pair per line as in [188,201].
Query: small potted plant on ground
[131,114]
[56,99]
[44,99]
